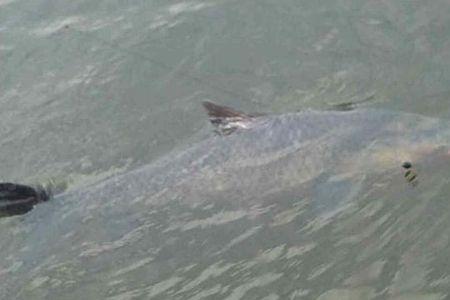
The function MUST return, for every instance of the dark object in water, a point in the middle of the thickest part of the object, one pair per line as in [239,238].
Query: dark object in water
[410,173]
[406,165]
[18,199]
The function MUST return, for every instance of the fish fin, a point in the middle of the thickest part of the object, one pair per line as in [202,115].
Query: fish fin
[225,119]
[18,199]
[351,105]
[220,111]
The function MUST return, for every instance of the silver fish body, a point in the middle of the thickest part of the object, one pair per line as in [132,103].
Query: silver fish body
[279,153]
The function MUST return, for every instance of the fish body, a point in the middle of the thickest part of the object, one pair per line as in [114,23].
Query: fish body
[255,157]
[273,154]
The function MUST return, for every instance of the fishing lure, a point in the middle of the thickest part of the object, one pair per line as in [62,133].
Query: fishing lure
[410,173]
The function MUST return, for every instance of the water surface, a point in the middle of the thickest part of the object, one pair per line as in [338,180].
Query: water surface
[91,89]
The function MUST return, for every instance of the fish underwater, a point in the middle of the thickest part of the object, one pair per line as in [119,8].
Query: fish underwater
[132,227]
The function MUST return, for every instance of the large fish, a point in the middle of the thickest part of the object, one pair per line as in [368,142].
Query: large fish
[257,157]
[252,165]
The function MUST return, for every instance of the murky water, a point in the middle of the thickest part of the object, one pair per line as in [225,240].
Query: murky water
[90,89]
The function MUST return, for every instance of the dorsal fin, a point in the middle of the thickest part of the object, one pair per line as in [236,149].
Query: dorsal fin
[225,119]
[221,111]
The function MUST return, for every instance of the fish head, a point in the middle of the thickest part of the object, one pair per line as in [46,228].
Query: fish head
[413,155]
[423,143]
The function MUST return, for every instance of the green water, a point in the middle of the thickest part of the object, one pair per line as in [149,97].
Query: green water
[89,89]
